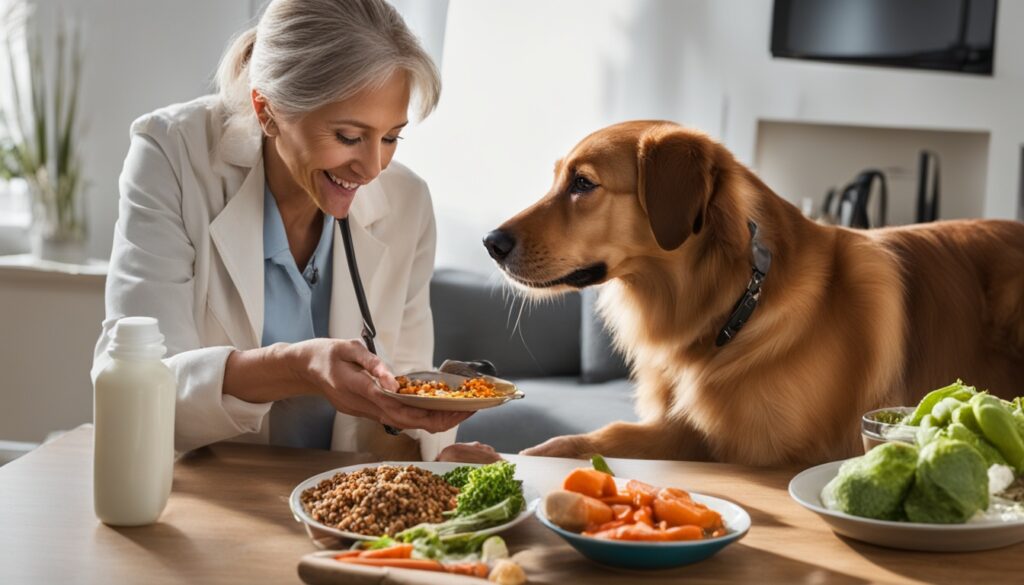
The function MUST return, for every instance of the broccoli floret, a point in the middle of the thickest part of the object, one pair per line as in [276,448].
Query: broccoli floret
[488,485]
[875,485]
[458,476]
[950,485]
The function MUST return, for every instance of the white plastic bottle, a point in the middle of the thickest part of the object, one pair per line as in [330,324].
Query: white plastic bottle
[133,413]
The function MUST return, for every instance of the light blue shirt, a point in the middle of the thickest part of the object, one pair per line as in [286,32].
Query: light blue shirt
[296,307]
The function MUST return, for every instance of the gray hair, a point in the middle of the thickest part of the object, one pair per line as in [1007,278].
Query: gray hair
[304,54]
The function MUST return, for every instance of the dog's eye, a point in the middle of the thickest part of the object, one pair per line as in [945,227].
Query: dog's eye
[581,184]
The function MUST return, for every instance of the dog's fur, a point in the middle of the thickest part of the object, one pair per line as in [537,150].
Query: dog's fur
[848,320]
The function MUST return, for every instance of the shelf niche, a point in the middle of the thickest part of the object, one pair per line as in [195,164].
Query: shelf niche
[801,160]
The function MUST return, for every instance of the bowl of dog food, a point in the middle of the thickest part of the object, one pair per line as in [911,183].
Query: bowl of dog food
[886,424]
[435,390]
[371,500]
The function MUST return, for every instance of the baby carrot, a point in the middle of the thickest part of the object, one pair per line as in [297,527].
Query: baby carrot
[398,551]
[468,568]
[642,494]
[618,499]
[597,512]
[590,482]
[676,493]
[607,526]
[621,512]
[644,515]
[419,564]
[575,511]
[684,533]
[679,512]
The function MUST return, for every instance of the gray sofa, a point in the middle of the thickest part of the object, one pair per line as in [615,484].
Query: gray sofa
[556,352]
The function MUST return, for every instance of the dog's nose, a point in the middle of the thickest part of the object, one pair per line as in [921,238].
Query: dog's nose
[499,244]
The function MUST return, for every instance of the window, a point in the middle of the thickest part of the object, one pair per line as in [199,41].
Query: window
[15,208]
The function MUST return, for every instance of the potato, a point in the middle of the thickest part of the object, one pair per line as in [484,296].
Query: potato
[575,512]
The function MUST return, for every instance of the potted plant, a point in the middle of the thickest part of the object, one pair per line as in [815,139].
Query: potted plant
[39,140]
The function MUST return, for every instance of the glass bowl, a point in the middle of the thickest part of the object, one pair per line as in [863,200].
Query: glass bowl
[881,425]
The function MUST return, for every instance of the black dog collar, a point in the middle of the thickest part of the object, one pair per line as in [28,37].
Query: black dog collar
[762,261]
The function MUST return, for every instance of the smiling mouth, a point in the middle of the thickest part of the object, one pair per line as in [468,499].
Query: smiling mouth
[346,185]
[579,278]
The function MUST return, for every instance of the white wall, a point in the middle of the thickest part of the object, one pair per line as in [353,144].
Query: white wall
[524,81]
[140,55]
[50,324]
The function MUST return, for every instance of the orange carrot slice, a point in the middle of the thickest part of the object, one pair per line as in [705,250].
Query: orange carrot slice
[398,551]
[621,512]
[594,530]
[644,515]
[590,482]
[419,564]
[642,494]
[678,512]
[684,533]
[468,568]
[619,499]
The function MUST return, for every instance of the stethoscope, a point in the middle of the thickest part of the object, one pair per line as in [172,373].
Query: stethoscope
[369,332]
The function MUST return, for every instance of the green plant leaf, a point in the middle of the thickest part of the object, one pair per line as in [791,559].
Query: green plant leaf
[38,129]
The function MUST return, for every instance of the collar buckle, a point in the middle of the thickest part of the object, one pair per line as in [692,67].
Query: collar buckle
[744,308]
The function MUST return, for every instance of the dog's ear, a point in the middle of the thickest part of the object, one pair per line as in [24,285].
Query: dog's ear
[676,176]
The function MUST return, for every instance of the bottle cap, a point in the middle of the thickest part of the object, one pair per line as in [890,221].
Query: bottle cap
[137,337]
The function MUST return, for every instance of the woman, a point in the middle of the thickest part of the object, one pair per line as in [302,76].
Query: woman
[227,235]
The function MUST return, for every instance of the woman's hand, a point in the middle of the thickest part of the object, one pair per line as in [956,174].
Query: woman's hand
[469,453]
[341,370]
[347,374]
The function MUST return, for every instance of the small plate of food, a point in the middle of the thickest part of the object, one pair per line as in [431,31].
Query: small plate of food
[957,485]
[634,525]
[434,390]
[368,501]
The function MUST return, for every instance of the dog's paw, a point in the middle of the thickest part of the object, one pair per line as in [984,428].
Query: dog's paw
[569,446]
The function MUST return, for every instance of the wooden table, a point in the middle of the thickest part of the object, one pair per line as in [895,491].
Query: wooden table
[228,522]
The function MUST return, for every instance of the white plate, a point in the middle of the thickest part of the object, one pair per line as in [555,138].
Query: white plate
[326,536]
[507,390]
[805,488]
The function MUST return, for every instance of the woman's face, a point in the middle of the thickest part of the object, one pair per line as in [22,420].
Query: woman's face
[337,148]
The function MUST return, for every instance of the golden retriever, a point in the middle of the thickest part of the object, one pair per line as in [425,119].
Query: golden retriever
[846,320]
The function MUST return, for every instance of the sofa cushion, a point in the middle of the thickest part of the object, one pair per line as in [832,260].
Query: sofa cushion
[600,360]
[552,407]
[475,319]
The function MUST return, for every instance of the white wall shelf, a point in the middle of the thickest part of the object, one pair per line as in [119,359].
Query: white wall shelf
[801,160]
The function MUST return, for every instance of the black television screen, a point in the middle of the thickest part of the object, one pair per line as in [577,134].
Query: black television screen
[952,35]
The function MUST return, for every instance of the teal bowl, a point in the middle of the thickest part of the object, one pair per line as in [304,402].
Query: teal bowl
[658,555]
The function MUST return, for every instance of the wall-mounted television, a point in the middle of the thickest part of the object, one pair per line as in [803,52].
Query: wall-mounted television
[949,35]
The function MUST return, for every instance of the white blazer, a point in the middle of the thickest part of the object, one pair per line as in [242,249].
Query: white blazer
[188,250]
